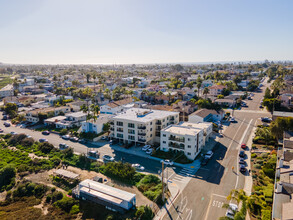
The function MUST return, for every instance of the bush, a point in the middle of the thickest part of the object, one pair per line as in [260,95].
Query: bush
[122,171]
[256,166]
[253,155]
[40,191]
[16,139]
[27,142]
[48,198]
[144,213]
[46,147]
[66,203]
[63,131]
[57,196]
[74,209]
[7,175]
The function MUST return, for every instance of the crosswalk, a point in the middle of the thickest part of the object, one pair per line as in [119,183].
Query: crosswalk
[183,174]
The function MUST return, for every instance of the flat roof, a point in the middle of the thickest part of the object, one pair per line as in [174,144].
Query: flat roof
[101,195]
[66,174]
[197,125]
[144,115]
[76,114]
[283,114]
[107,190]
[287,210]
[7,87]
[55,119]
[182,130]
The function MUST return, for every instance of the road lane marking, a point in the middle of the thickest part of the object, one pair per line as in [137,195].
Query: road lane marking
[219,195]
[236,134]
[244,134]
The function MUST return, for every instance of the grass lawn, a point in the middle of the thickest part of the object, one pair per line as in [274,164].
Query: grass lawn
[4,80]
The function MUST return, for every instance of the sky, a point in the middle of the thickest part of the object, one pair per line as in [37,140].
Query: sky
[144,31]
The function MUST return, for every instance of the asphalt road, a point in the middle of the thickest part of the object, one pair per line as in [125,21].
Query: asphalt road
[205,194]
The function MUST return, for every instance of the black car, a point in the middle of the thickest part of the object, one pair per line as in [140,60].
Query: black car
[242,154]
[241,161]
[205,161]
[266,119]
[4,117]
[46,132]
[242,168]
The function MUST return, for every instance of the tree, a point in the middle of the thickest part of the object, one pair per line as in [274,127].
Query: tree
[11,109]
[7,174]
[267,94]
[206,91]
[272,104]
[198,84]
[88,76]
[265,133]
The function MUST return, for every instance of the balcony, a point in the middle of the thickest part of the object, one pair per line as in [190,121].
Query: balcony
[172,119]
[175,145]
[111,129]
[172,138]
[158,123]
[111,123]
[142,134]
[141,127]
[141,140]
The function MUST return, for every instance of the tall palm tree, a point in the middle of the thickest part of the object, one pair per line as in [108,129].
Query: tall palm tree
[206,91]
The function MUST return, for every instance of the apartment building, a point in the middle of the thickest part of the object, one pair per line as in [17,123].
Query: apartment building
[6,91]
[116,107]
[142,126]
[185,137]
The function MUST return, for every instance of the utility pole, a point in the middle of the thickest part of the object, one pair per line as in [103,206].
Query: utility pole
[163,187]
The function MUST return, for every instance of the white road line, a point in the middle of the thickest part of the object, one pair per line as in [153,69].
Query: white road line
[219,195]
[236,134]
[244,134]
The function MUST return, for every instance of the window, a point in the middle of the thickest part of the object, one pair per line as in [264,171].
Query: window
[151,135]
[189,146]
[151,129]
[120,129]
[131,125]
[188,153]
[164,142]
[130,137]
[164,135]
[119,135]
[119,123]
[188,139]
[130,131]
[163,120]
[151,123]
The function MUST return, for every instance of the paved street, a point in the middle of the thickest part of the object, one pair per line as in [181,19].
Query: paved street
[206,191]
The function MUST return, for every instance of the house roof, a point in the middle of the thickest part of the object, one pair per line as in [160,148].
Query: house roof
[205,112]
[217,87]
[115,104]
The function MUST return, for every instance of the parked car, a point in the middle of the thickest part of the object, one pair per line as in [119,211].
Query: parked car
[103,138]
[63,146]
[241,160]
[28,136]
[137,166]
[4,117]
[232,209]
[46,132]
[242,154]
[66,137]
[111,142]
[232,120]
[209,154]
[146,147]
[108,158]
[167,162]
[266,119]
[249,98]
[1,130]
[42,140]
[74,139]
[244,104]
[260,106]
[13,133]
[243,146]
[242,168]
[82,141]
[205,161]
[7,124]
[149,151]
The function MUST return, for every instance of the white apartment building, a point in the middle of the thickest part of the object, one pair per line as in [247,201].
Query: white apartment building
[142,126]
[6,91]
[207,128]
[95,126]
[116,107]
[71,120]
[185,137]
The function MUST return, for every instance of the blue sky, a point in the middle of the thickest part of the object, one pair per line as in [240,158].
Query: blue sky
[144,31]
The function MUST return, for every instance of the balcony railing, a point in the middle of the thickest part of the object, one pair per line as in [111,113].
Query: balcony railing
[172,119]
[141,140]
[111,123]
[142,134]
[141,127]
[175,145]
[177,139]
[158,123]
[112,129]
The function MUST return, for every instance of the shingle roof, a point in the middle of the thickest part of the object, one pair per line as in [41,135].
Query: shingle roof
[205,112]
[120,102]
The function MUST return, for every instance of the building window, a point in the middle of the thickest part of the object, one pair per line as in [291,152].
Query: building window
[151,135]
[188,139]
[119,123]
[151,129]
[151,123]
[188,153]
[130,137]
[130,131]
[119,135]
[189,146]
[164,135]
[120,129]
[131,125]
[164,142]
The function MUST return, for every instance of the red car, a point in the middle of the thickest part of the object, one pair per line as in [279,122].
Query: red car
[243,146]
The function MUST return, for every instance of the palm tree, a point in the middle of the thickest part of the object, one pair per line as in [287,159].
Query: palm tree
[206,91]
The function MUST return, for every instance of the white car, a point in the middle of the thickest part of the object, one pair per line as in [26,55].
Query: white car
[65,137]
[63,146]
[209,155]
[149,151]
[167,162]
[232,119]
[137,166]
[146,147]
[231,210]
[108,158]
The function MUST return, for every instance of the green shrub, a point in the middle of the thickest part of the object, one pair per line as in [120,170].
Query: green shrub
[144,213]
[256,166]
[57,196]
[253,155]
[122,171]
[48,198]
[63,131]
[74,209]
[66,203]
[7,175]
[46,147]
[265,215]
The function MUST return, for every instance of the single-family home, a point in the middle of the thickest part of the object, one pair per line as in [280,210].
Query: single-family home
[115,107]
[206,115]
[216,90]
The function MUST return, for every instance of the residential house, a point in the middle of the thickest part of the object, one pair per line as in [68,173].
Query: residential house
[216,90]
[141,126]
[226,102]
[287,100]
[95,126]
[72,120]
[115,107]
[277,114]
[206,115]
[6,91]
[33,116]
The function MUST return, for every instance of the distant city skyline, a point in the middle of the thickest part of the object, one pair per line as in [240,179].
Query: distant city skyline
[145,31]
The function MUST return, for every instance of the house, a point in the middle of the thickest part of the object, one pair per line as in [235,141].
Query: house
[72,120]
[216,90]
[206,115]
[54,120]
[226,102]
[277,114]
[108,196]
[75,106]
[141,126]
[6,91]
[52,99]
[95,126]
[115,107]
[244,83]
[287,100]
[183,137]
[34,115]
